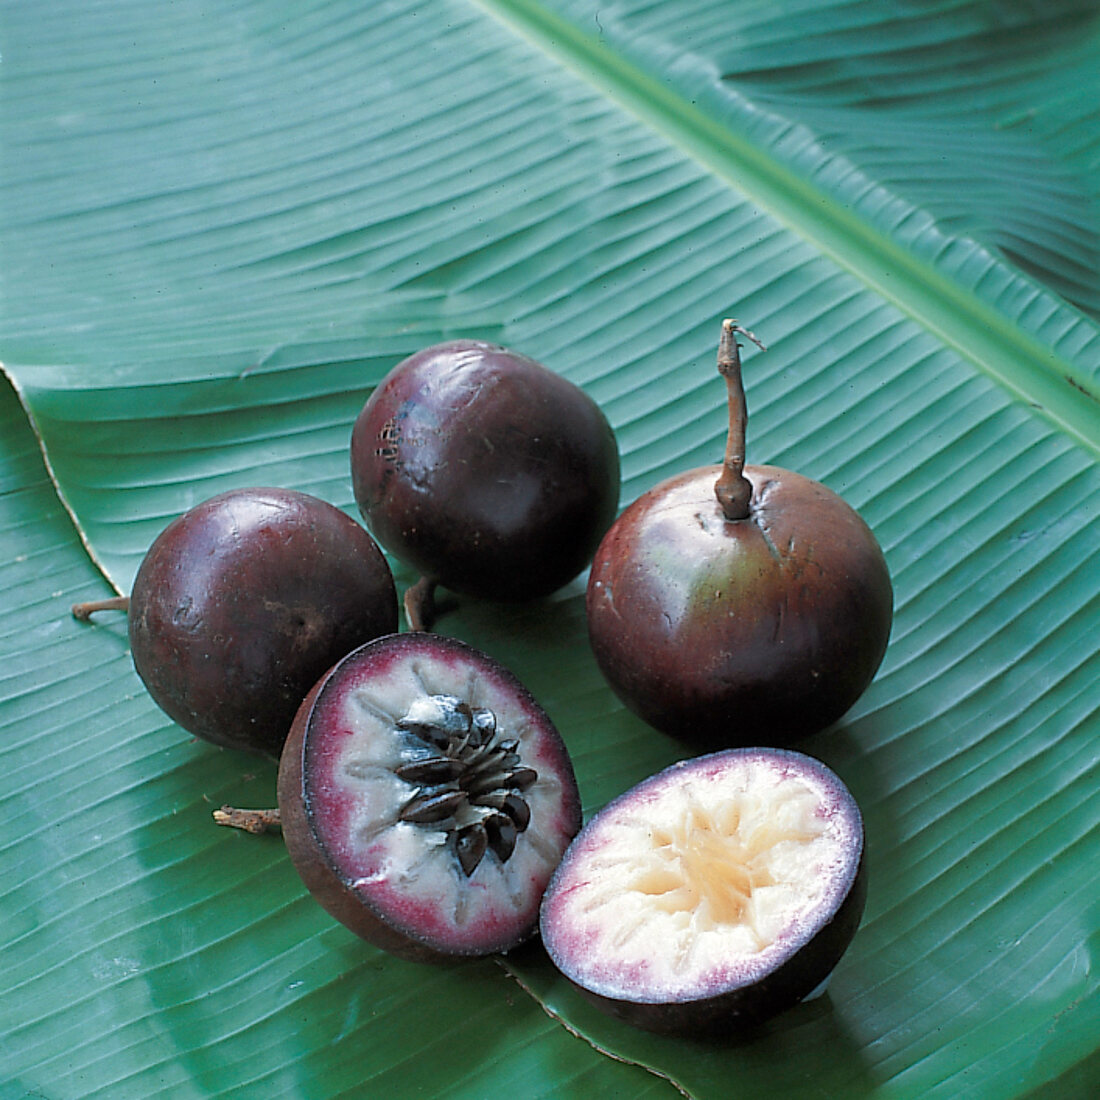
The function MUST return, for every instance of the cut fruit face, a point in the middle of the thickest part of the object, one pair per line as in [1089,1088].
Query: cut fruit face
[428,798]
[726,886]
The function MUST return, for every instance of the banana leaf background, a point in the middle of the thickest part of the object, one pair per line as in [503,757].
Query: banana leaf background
[221,223]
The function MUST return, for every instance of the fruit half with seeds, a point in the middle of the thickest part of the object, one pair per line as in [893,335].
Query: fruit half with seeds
[426,798]
[713,894]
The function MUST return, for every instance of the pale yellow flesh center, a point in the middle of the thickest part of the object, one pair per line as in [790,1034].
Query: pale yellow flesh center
[710,864]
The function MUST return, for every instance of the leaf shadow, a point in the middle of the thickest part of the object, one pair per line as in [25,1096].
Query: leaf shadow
[808,1051]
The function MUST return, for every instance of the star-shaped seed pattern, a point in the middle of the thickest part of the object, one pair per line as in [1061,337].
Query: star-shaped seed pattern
[468,780]
[710,861]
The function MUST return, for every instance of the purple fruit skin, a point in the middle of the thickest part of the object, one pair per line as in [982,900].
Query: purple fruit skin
[244,601]
[298,808]
[741,1007]
[744,1008]
[722,633]
[328,886]
[485,471]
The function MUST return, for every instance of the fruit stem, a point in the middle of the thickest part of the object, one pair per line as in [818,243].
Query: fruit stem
[733,489]
[251,821]
[419,604]
[83,611]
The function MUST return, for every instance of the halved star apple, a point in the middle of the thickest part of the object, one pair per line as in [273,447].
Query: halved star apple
[426,798]
[712,895]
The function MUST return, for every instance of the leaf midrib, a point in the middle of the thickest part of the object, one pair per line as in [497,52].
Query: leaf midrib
[1033,372]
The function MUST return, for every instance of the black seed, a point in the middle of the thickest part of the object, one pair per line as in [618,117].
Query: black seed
[491,762]
[492,799]
[440,719]
[435,736]
[502,834]
[520,778]
[510,803]
[426,808]
[459,744]
[470,843]
[518,811]
[431,770]
[500,758]
[517,779]
[484,726]
[511,756]
[483,782]
[477,756]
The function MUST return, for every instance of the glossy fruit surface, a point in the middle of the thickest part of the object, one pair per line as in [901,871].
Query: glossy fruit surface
[735,604]
[728,633]
[426,798]
[485,471]
[244,601]
[712,895]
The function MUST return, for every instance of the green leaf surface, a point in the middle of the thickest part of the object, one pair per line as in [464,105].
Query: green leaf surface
[147,952]
[221,224]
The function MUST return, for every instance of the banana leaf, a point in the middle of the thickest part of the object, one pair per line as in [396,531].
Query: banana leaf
[222,223]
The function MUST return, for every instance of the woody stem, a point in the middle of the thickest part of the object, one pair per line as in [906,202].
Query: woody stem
[733,489]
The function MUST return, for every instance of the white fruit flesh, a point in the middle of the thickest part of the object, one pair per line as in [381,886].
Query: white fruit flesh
[406,870]
[702,879]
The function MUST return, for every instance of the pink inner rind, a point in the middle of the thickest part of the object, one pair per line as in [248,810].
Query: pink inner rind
[573,952]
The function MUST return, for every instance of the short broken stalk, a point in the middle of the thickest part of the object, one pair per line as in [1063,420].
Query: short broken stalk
[419,605]
[250,821]
[733,489]
[84,611]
